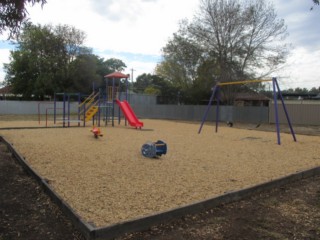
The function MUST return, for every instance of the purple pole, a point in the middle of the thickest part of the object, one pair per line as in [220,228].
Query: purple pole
[285,110]
[276,109]
[55,109]
[113,99]
[64,109]
[79,101]
[208,108]
[68,110]
[217,108]
[99,110]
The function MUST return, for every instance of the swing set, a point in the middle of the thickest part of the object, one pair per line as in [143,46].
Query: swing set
[216,95]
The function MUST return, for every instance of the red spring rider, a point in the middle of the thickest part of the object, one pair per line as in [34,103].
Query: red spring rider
[96,132]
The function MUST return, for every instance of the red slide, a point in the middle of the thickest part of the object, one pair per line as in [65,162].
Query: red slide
[129,114]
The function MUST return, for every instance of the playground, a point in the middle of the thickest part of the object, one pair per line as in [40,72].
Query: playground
[106,180]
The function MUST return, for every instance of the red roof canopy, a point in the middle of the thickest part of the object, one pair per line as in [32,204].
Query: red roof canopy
[116,75]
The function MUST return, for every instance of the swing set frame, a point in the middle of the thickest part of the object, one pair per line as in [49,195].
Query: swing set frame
[216,95]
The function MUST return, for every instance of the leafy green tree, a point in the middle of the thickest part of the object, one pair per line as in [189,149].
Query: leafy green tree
[84,73]
[152,91]
[73,40]
[142,82]
[40,65]
[13,14]
[157,85]
[182,57]
[314,90]
[115,65]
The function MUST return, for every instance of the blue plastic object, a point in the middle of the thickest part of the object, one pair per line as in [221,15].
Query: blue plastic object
[154,149]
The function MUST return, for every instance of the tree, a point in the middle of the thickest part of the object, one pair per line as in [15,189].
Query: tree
[115,65]
[72,39]
[182,56]
[316,2]
[142,82]
[40,65]
[13,14]
[243,36]
[240,38]
[156,85]
[84,73]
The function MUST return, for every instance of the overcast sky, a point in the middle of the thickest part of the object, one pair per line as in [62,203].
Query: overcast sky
[136,30]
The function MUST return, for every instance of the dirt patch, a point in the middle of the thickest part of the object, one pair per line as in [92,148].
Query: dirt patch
[291,212]
[26,212]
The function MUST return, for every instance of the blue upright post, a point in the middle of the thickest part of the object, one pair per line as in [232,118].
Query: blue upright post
[208,108]
[217,108]
[68,110]
[285,110]
[99,108]
[54,108]
[113,89]
[276,109]
[64,110]
[79,101]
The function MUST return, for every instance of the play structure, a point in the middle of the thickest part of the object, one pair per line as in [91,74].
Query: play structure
[99,105]
[154,149]
[276,89]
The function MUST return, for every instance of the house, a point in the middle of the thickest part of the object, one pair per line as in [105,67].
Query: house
[251,99]
[5,92]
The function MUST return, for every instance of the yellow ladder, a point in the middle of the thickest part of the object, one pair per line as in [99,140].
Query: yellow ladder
[91,103]
[91,112]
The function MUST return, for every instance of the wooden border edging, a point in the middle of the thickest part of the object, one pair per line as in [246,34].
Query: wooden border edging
[143,223]
[82,226]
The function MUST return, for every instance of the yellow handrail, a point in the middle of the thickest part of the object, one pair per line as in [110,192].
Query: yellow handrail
[89,101]
[85,101]
[242,82]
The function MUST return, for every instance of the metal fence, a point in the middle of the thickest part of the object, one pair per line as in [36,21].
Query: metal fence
[145,107]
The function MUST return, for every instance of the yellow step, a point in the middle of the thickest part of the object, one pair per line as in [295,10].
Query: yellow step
[91,112]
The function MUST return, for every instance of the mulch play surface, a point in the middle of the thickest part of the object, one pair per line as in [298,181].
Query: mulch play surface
[291,212]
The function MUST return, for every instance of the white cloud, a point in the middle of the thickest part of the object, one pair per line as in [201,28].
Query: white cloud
[134,26]
[302,71]
[136,30]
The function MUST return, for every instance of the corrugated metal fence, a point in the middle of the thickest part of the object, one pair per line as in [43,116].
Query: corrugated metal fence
[145,107]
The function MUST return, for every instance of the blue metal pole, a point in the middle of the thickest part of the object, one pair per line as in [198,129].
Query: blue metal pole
[125,120]
[84,115]
[54,108]
[113,89]
[285,110]
[217,108]
[64,109]
[99,108]
[208,108]
[68,110]
[276,109]
[79,101]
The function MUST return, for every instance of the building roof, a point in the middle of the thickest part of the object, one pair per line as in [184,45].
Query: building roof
[252,96]
[5,90]
[117,75]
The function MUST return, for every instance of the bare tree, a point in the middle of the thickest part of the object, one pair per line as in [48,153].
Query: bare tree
[316,2]
[13,13]
[244,36]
